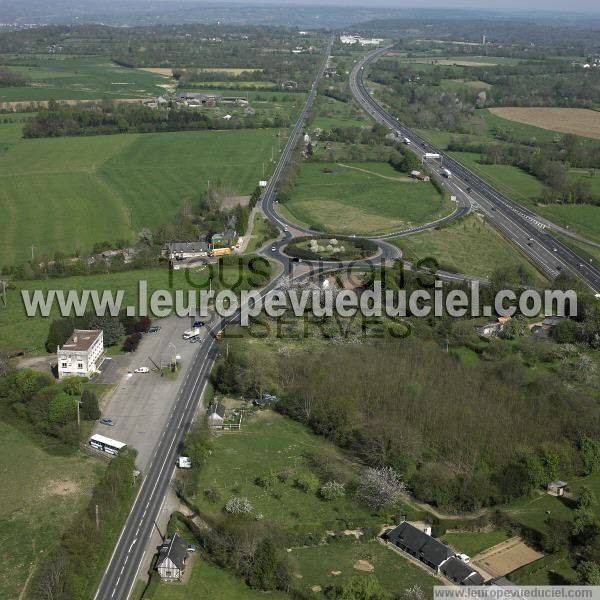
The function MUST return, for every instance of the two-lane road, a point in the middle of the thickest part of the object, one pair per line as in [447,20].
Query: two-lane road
[121,573]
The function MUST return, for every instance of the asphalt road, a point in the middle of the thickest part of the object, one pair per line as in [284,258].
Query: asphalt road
[523,227]
[121,573]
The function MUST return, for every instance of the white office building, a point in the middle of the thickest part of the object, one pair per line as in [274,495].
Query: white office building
[80,353]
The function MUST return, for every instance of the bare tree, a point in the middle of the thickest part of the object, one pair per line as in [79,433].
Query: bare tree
[52,582]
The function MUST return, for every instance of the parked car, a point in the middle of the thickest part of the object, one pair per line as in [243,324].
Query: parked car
[198,324]
[142,370]
[108,422]
[273,249]
[153,329]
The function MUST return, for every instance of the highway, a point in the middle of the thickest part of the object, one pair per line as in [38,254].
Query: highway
[121,573]
[521,226]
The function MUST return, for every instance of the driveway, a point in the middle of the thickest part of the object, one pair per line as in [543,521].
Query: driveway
[142,402]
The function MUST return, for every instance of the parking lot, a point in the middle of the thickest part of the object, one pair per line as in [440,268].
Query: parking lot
[141,402]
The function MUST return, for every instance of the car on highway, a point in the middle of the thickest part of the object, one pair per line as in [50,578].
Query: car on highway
[554,249]
[468,190]
[108,422]
[142,370]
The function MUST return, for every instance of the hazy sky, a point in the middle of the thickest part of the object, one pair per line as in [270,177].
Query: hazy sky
[573,6]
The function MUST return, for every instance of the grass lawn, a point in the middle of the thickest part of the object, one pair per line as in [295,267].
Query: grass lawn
[17,330]
[271,442]
[64,77]
[474,542]
[533,512]
[69,193]
[40,496]
[394,572]
[551,570]
[351,201]
[334,113]
[209,581]
[260,234]
[468,246]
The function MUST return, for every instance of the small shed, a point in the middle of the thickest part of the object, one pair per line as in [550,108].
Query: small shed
[557,488]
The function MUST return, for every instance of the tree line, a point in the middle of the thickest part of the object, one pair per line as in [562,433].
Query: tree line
[107,118]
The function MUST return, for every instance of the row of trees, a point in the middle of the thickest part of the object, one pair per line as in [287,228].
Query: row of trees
[48,407]
[110,118]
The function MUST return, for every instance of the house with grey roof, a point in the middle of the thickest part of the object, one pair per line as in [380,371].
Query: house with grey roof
[419,544]
[172,556]
[184,250]
[460,572]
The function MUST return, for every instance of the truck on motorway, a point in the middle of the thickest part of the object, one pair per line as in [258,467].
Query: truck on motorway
[190,333]
[447,174]
[406,141]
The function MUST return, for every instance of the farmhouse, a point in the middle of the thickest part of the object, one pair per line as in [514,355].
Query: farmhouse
[183,250]
[421,545]
[226,237]
[434,554]
[197,100]
[460,572]
[80,353]
[172,556]
[419,176]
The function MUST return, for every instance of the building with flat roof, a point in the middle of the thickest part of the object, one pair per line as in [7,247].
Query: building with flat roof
[79,355]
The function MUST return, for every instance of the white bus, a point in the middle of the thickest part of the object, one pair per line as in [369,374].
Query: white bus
[105,444]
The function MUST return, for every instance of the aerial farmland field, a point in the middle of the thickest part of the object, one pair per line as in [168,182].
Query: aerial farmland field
[76,78]
[69,193]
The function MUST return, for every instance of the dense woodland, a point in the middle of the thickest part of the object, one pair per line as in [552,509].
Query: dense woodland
[462,436]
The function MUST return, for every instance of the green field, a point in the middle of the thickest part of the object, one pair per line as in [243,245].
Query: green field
[40,495]
[356,200]
[63,77]
[474,542]
[333,113]
[394,572]
[208,581]
[271,442]
[468,246]
[68,193]
[19,331]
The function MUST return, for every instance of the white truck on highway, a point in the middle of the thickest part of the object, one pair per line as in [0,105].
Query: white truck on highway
[190,333]
[406,141]
[447,174]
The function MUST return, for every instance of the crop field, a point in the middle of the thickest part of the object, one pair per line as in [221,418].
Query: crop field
[63,77]
[468,246]
[69,193]
[40,495]
[356,200]
[578,121]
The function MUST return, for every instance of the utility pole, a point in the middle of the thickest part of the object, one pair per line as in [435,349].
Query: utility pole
[97,518]
[78,416]
[32,247]
[3,284]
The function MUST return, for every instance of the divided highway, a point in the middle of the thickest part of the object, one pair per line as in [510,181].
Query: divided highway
[121,573]
[523,227]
